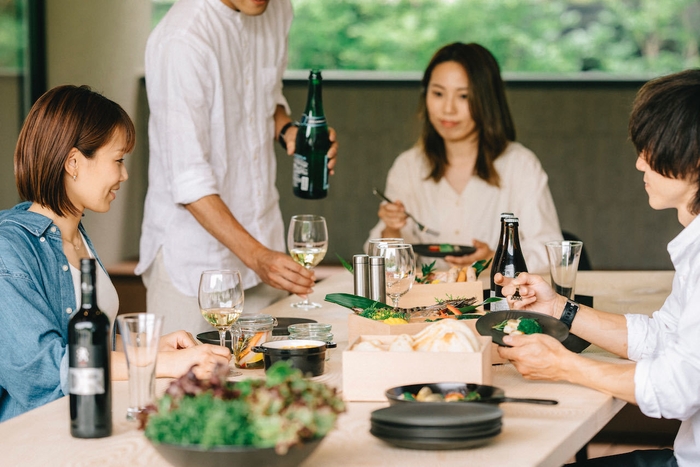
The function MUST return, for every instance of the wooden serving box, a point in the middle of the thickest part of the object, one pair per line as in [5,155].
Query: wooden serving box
[368,374]
[419,295]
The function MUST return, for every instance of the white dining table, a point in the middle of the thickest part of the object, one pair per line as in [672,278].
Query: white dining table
[532,435]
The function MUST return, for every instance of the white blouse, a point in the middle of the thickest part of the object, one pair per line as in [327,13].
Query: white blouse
[475,213]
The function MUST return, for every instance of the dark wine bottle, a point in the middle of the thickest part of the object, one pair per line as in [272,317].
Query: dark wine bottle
[499,249]
[310,174]
[511,262]
[88,360]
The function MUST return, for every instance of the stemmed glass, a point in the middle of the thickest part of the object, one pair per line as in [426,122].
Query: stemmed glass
[399,265]
[307,241]
[221,301]
[375,243]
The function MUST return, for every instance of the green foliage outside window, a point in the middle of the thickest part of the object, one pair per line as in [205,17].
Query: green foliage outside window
[11,35]
[542,36]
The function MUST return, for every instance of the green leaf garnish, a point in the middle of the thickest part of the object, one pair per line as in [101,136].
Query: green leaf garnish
[480,265]
[345,264]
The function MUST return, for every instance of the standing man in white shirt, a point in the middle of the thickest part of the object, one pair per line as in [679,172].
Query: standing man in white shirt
[663,375]
[214,80]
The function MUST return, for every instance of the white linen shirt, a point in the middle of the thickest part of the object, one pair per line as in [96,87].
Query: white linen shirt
[475,213]
[214,80]
[666,348]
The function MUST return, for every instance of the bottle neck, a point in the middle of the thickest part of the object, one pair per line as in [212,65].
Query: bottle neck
[88,289]
[314,102]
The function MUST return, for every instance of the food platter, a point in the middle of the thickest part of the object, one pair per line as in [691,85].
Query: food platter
[550,326]
[440,250]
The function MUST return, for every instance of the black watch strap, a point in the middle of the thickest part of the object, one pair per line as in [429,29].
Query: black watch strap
[283,131]
[569,313]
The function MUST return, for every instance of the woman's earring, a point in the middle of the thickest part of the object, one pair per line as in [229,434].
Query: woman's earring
[74,176]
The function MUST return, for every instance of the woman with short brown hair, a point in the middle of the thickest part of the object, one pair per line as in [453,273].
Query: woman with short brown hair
[69,159]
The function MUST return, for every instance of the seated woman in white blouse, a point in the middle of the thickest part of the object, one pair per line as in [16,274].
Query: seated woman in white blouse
[69,159]
[466,168]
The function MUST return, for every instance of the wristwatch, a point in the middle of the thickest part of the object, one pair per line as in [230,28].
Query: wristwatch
[569,313]
[283,131]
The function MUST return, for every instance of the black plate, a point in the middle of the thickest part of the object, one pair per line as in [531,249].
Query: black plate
[488,394]
[435,444]
[282,323]
[212,337]
[550,326]
[423,249]
[437,415]
[431,433]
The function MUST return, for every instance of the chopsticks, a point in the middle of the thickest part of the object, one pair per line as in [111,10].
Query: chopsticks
[421,227]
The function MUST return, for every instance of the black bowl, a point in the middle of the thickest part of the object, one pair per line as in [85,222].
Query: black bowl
[226,456]
[309,356]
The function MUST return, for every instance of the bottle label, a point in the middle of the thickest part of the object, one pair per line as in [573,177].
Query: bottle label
[300,172]
[86,381]
[313,121]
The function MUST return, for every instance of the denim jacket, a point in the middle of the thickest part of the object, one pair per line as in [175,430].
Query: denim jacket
[37,299]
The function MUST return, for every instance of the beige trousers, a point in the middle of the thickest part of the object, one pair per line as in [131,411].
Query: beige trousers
[181,311]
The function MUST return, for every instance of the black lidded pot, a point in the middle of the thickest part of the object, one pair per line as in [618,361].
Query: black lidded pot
[309,356]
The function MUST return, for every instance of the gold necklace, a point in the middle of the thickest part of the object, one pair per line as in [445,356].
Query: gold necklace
[77,244]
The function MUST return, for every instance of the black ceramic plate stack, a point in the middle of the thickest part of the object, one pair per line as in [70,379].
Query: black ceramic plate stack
[437,426]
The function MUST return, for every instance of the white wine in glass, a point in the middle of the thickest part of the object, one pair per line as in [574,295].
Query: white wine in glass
[399,266]
[221,301]
[307,241]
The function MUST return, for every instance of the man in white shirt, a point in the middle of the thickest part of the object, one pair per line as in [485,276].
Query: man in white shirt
[214,80]
[663,375]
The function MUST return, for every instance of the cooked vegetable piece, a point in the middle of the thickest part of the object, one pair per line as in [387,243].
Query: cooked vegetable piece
[519,326]
[446,248]
[529,326]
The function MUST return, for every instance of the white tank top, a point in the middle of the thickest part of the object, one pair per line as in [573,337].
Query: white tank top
[107,298]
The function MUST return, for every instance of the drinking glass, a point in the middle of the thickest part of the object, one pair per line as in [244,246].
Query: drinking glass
[221,301]
[307,241]
[375,243]
[399,267]
[140,334]
[563,265]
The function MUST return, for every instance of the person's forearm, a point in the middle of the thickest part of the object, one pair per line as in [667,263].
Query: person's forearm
[610,378]
[281,119]
[216,218]
[606,330]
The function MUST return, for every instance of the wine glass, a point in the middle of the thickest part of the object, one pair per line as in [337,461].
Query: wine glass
[399,266]
[307,241]
[375,243]
[221,301]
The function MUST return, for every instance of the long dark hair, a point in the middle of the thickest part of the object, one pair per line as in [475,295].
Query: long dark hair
[665,127]
[487,104]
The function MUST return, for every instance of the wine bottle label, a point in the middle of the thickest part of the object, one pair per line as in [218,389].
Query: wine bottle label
[87,381]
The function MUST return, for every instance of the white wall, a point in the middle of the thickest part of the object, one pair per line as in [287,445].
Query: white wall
[100,43]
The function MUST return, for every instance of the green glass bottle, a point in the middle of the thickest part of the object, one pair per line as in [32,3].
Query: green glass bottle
[310,174]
